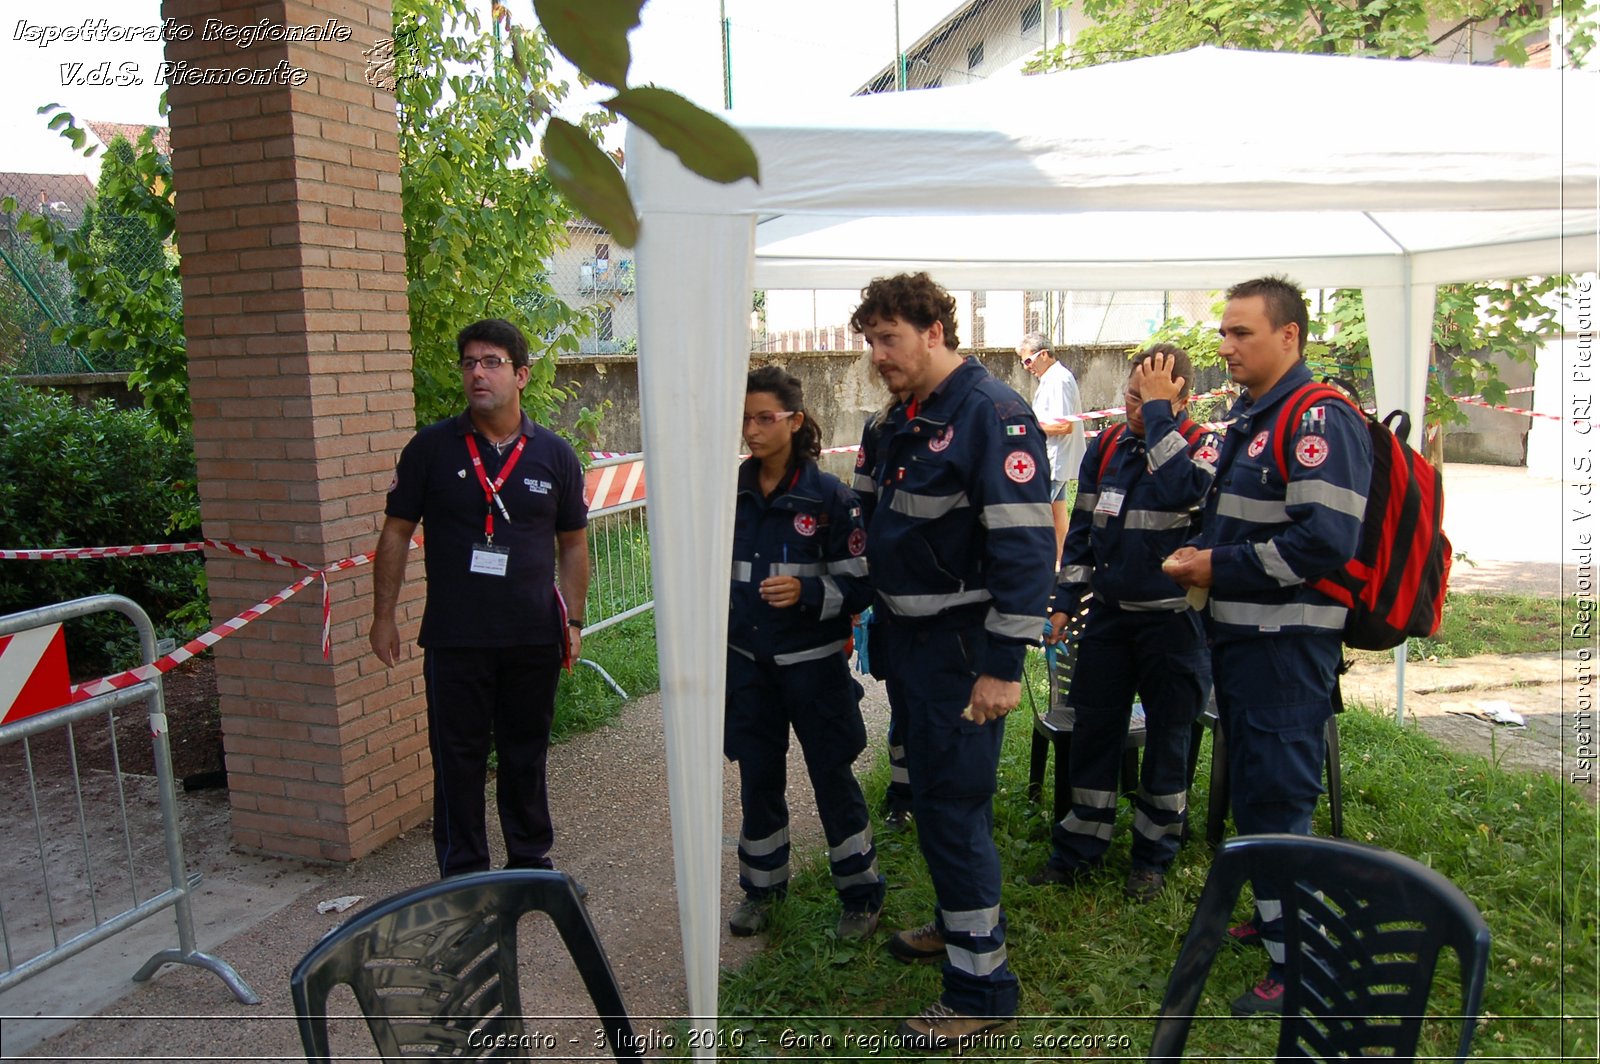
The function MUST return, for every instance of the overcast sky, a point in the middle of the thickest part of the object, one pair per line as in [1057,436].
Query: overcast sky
[782,52]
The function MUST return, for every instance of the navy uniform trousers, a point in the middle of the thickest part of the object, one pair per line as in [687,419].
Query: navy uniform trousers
[1274,697]
[953,763]
[822,701]
[475,695]
[1161,656]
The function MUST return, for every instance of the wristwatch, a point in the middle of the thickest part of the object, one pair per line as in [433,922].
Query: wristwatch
[573,622]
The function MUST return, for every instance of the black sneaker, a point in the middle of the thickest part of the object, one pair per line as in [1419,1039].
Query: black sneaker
[1051,876]
[751,917]
[1263,999]
[1144,884]
[897,822]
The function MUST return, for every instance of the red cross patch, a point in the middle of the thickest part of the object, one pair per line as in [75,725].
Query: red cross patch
[805,524]
[941,441]
[1020,467]
[861,458]
[858,542]
[1258,444]
[1311,451]
[1207,453]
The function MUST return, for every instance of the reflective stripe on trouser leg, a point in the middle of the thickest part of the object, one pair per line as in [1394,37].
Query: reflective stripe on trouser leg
[1269,916]
[1095,767]
[1161,802]
[953,764]
[852,856]
[764,863]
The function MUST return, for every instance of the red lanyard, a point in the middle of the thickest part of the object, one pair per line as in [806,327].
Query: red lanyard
[491,492]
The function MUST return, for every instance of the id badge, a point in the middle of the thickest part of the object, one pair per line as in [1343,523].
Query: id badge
[489,559]
[1109,503]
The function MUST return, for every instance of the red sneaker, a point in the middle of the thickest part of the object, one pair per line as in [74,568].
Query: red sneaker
[1265,998]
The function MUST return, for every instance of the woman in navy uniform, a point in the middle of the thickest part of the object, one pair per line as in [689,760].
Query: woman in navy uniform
[799,572]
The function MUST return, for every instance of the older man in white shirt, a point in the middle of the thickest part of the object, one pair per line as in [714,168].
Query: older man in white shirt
[1055,399]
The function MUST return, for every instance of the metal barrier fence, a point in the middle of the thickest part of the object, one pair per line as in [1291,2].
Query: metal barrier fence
[84,808]
[620,584]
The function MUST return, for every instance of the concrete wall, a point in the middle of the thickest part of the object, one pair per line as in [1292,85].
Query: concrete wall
[1495,437]
[841,388]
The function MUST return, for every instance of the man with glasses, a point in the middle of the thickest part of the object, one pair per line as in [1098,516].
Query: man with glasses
[501,502]
[1055,400]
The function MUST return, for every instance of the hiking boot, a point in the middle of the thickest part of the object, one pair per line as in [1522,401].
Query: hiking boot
[939,1027]
[922,945]
[854,926]
[897,822]
[751,917]
[1144,884]
[1263,999]
[1245,934]
[1051,876]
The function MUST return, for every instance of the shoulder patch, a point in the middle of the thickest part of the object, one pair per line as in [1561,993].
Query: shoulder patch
[1020,466]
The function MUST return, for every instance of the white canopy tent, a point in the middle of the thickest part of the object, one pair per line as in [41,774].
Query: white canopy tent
[1187,171]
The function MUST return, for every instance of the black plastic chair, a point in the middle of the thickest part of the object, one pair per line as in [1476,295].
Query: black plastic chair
[434,969]
[1363,928]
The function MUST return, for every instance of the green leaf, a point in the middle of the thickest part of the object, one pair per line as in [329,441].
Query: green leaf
[592,33]
[702,141]
[589,179]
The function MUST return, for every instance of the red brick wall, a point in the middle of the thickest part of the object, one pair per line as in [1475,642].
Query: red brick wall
[293,259]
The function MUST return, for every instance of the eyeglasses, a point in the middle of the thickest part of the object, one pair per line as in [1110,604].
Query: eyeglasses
[768,418]
[1027,363]
[487,362]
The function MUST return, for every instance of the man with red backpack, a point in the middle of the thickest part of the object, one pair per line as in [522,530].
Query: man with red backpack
[1140,490]
[1268,531]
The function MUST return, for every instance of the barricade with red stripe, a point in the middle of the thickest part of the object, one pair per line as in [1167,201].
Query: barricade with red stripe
[614,483]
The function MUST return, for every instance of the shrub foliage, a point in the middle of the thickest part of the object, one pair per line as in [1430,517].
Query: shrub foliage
[87,476]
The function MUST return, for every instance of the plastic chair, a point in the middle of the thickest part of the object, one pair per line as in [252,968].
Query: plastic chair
[1363,928]
[434,969]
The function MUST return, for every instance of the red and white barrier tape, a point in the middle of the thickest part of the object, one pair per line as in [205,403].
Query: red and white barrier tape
[226,628]
[1508,409]
[613,485]
[77,553]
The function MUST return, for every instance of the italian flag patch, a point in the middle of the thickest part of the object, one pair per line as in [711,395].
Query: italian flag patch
[1016,430]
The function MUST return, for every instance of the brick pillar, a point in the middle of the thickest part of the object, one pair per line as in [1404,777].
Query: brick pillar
[293,259]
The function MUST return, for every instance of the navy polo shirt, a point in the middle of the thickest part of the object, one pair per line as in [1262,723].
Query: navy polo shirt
[435,484]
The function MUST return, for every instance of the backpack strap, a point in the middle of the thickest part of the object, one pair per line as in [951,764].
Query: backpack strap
[1294,407]
[1108,445]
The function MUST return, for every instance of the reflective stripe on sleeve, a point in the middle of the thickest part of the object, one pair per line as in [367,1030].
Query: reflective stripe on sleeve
[1274,565]
[1171,444]
[1017,515]
[742,572]
[1322,493]
[1013,625]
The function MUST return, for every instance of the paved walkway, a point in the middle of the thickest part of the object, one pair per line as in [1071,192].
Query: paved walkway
[609,788]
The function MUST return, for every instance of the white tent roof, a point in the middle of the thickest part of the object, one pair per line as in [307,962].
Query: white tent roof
[1187,171]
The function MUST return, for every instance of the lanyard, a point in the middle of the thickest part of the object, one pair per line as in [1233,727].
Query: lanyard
[491,492]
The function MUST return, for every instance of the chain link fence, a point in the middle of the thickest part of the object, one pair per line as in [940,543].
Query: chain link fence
[35,291]
[38,293]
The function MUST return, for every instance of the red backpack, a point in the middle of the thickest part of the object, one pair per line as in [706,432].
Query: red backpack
[1394,587]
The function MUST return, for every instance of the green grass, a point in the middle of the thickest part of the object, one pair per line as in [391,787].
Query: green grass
[627,651]
[1482,622]
[1522,846]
